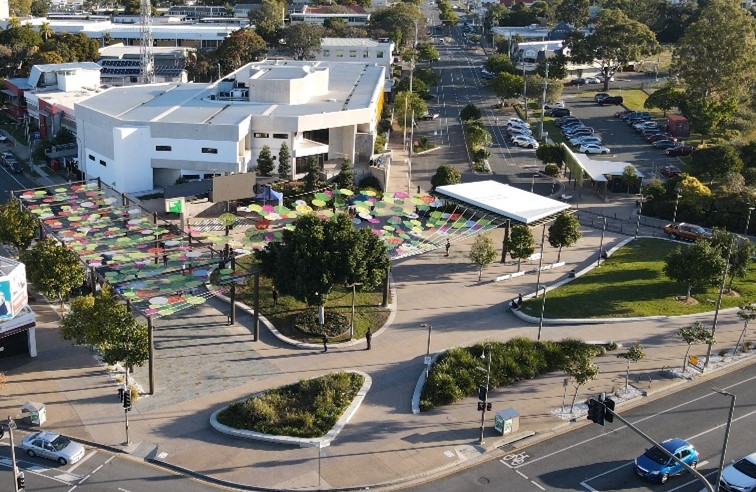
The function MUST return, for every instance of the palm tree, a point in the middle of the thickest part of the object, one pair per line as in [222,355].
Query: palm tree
[45,30]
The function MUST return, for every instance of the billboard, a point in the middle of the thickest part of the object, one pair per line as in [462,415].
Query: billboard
[233,187]
[13,295]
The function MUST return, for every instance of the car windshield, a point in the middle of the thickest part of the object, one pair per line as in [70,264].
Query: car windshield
[746,467]
[60,443]
[655,454]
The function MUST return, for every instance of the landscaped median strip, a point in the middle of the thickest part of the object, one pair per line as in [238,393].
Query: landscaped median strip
[302,442]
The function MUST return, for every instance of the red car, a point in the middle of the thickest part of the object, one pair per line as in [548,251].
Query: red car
[619,114]
[681,150]
[660,136]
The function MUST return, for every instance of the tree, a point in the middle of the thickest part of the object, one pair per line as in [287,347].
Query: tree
[581,370]
[535,88]
[747,313]
[72,47]
[414,104]
[665,99]
[573,12]
[284,162]
[564,231]
[445,175]
[697,265]
[740,252]
[427,52]
[53,269]
[45,30]
[241,47]
[634,354]
[318,254]
[17,226]
[706,114]
[550,153]
[302,40]
[695,334]
[630,178]
[557,67]
[616,41]
[345,178]
[716,55]
[691,188]
[268,18]
[506,85]
[265,163]
[717,161]
[428,76]
[312,178]
[418,87]
[499,62]
[476,134]
[470,112]
[520,243]
[103,322]
[397,22]
[482,252]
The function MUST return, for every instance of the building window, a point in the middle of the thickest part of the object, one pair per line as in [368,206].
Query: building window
[103,163]
[379,54]
[339,54]
[281,135]
[366,54]
[91,157]
[163,148]
[209,150]
[352,53]
[191,177]
[326,53]
[262,135]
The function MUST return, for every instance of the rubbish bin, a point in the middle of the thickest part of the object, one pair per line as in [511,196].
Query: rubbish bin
[37,413]
[507,421]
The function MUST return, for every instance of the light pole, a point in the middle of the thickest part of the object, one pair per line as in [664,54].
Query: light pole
[719,300]
[601,245]
[485,397]
[532,182]
[427,353]
[219,71]
[748,221]
[545,84]
[727,434]
[351,324]
[540,260]
[412,72]
[525,90]
[540,320]
[674,215]
[12,425]
[640,211]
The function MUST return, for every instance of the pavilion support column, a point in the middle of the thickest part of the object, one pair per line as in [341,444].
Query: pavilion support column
[386,287]
[256,307]
[505,242]
[232,315]
[151,341]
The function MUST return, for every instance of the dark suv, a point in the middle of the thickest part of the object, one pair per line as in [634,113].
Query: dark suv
[616,100]
[559,112]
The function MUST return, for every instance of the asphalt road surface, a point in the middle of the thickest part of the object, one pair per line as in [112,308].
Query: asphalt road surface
[11,182]
[595,458]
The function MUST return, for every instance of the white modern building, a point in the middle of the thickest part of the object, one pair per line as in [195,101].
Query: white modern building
[357,16]
[122,65]
[357,50]
[139,138]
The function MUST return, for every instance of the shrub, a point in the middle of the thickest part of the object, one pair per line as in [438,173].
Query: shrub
[307,322]
[370,182]
[380,144]
[747,346]
[724,352]
[551,170]
[384,126]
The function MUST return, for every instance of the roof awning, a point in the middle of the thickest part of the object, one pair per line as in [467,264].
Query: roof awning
[9,93]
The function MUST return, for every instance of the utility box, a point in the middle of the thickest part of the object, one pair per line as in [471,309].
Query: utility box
[677,126]
[507,421]
[37,413]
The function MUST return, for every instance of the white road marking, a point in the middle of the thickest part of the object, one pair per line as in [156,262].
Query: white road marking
[32,468]
[84,479]
[606,472]
[97,469]
[123,490]
[77,465]
[693,481]
[536,484]
[109,460]
[521,474]
[588,487]
[72,488]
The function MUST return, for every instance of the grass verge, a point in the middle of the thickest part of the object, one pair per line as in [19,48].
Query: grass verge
[632,283]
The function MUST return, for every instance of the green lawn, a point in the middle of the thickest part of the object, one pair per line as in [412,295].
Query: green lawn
[631,283]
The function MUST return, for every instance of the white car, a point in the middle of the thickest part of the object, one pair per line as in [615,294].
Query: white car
[522,141]
[53,446]
[593,149]
[592,80]
[517,121]
[554,105]
[740,476]
[585,140]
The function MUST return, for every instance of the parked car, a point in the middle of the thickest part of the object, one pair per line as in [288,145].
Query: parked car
[577,82]
[522,141]
[660,136]
[624,112]
[670,171]
[687,231]
[581,129]
[664,144]
[643,125]
[616,100]
[6,157]
[557,112]
[679,150]
[554,105]
[641,115]
[593,149]
[513,136]
[657,466]
[740,476]
[564,120]
[599,96]
[16,167]
[3,138]
[579,140]
[52,446]
[429,116]
[517,122]
[592,80]
[647,132]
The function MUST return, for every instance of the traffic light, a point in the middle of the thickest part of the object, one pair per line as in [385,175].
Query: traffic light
[482,392]
[596,411]
[120,394]
[609,416]
[127,399]
[481,406]
[21,481]
[488,407]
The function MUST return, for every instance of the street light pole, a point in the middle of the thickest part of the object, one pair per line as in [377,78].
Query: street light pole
[601,245]
[351,324]
[719,300]
[540,320]
[485,400]
[525,90]
[427,353]
[674,215]
[727,435]
[540,260]
[640,211]
[748,221]
[545,84]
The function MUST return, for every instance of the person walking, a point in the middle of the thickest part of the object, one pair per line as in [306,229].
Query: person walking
[275,296]
[448,245]
[325,343]
[368,338]
[165,260]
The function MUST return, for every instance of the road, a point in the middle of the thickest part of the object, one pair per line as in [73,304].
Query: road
[98,471]
[12,182]
[595,458]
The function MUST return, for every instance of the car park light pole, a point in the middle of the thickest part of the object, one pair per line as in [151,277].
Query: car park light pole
[545,84]
[351,324]
[427,353]
[483,394]
[674,215]
[727,434]
[748,221]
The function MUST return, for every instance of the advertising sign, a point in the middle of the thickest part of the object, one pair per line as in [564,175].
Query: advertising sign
[13,295]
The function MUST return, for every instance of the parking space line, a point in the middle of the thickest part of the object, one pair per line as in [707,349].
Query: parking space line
[605,473]
[92,453]
[537,484]
[693,481]
[521,474]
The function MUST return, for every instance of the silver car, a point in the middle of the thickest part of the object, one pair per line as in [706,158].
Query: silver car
[53,446]
[740,476]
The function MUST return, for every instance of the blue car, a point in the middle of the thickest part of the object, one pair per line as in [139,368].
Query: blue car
[657,466]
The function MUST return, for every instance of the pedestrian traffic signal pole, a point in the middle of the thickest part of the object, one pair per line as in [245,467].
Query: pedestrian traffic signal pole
[606,408]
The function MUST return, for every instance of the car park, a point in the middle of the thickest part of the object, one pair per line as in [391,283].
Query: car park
[687,231]
[670,171]
[593,149]
[664,144]
[522,141]
[655,465]
[740,476]
[616,100]
[53,446]
[679,150]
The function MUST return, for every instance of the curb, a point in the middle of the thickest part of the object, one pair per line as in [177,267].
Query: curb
[302,442]
[420,384]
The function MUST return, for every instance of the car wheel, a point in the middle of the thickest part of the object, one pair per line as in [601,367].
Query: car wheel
[62,461]
[694,464]
[605,152]
[531,146]
[664,478]
[31,453]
